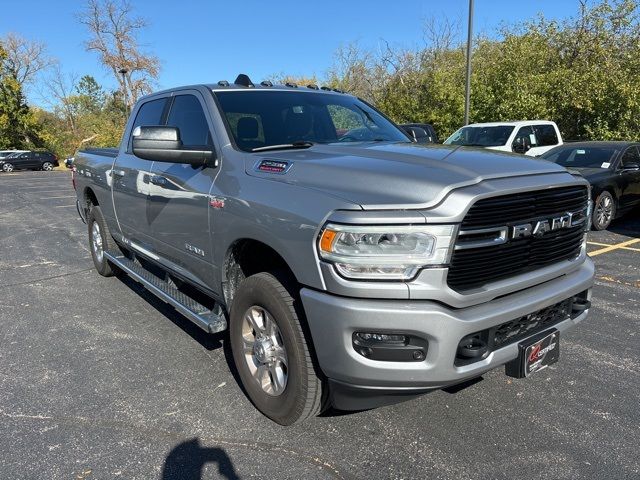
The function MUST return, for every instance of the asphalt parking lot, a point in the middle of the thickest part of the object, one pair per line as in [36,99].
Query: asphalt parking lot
[98,380]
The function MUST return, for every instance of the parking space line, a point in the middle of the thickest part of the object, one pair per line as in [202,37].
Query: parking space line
[64,206]
[608,245]
[616,246]
[50,198]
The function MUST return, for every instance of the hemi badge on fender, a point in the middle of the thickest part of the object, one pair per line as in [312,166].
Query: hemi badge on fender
[273,166]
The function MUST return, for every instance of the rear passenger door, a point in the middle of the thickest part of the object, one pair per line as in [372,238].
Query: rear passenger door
[130,178]
[179,195]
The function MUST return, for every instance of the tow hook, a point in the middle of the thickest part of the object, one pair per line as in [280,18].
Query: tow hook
[472,347]
[580,304]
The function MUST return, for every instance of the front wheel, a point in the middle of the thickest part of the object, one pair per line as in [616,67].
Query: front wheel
[604,211]
[47,166]
[7,167]
[271,354]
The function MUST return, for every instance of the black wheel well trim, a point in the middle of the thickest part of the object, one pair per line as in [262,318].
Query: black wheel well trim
[246,257]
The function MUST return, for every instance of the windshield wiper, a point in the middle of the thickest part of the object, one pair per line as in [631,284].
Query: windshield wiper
[284,146]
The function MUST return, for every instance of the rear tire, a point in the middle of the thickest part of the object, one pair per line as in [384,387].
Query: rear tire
[271,354]
[100,239]
[47,166]
[604,211]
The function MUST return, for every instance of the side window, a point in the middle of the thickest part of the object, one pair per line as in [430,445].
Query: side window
[527,135]
[150,113]
[630,156]
[546,135]
[187,114]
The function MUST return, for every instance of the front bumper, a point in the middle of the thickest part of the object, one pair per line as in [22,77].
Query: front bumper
[333,320]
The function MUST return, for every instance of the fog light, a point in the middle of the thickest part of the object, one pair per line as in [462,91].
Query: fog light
[380,337]
[390,347]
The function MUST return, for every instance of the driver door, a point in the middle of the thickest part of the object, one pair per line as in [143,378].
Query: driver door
[629,177]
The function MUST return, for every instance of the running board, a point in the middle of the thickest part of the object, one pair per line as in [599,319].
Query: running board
[210,321]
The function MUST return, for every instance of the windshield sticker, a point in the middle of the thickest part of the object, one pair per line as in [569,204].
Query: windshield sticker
[532,138]
[605,165]
[581,152]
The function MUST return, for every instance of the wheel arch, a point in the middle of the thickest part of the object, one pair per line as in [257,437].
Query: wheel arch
[247,256]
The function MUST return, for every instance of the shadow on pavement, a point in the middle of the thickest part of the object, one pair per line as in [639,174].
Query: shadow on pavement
[628,225]
[187,460]
[207,340]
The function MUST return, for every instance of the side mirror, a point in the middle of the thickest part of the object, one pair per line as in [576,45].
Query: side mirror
[631,167]
[416,134]
[521,145]
[163,144]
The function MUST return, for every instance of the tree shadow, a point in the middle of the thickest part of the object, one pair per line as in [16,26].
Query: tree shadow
[187,460]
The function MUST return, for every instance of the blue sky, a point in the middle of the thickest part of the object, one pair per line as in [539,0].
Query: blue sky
[205,41]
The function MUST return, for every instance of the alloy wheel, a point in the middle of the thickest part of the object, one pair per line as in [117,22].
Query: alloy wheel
[604,211]
[96,242]
[264,350]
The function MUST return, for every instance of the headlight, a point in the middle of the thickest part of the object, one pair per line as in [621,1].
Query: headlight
[385,252]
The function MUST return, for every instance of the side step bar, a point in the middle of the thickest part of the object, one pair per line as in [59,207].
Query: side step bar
[210,321]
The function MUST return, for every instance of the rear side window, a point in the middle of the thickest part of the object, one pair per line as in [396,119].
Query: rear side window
[187,114]
[546,135]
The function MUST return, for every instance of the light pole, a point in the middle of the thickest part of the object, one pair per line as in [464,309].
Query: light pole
[467,93]
[123,72]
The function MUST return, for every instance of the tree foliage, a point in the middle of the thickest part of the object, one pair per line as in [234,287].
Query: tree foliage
[582,72]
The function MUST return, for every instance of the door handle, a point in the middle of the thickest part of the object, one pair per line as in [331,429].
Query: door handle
[158,180]
[117,173]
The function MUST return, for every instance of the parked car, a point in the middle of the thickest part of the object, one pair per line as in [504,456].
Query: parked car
[421,132]
[350,267]
[531,137]
[5,153]
[612,169]
[29,161]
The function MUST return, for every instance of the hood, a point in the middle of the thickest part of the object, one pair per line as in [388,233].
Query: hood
[592,174]
[398,175]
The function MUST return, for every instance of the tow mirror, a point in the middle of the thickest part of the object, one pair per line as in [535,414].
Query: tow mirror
[163,144]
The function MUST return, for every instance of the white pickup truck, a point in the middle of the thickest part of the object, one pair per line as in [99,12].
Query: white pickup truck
[529,137]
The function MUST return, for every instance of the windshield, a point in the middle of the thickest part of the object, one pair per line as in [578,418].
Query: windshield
[582,157]
[263,118]
[481,136]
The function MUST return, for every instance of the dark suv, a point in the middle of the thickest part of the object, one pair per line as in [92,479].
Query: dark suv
[29,161]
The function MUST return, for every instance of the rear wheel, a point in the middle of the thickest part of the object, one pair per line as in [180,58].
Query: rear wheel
[604,211]
[47,166]
[270,351]
[100,239]
[7,167]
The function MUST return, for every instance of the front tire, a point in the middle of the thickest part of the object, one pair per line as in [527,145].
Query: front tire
[604,211]
[271,354]
[7,167]
[100,239]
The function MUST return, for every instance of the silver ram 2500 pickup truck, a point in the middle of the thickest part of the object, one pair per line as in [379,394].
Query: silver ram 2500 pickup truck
[352,267]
